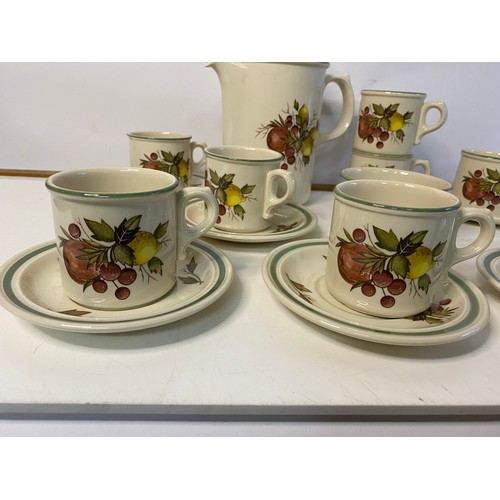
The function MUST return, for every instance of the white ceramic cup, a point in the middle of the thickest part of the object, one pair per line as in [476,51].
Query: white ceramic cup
[392,122]
[402,162]
[245,181]
[394,174]
[169,152]
[391,245]
[477,181]
[120,232]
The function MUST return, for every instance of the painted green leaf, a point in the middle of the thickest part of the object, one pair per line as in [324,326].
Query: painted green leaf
[247,189]
[188,280]
[167,156]
[391,110]
[386,240]
[494,175]
[239,211]
[126,231]
[214,178]
[191,267]
[400,135]
[124,254]
[407,116]
[438,249]
[161,230]
[378,109]
[385,123]
[417,238]
[221,195]
[155,266]
[399,264]
[101,231]
[424,282]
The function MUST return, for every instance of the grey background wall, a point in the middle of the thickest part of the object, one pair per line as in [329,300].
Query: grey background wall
[69,115]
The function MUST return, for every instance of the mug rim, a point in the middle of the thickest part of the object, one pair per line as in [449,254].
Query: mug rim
[159,135]
[379,156]
[381,172]
[482,153]
[229,153]
[391,93]
[52,185]
[376,183]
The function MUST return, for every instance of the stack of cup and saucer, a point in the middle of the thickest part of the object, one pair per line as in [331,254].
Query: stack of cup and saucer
[253,195]
[390,124]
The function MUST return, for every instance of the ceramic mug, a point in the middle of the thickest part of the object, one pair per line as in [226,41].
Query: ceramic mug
[245,181]
[392,122]
[120,232]
[392,243]
[394,174]
[402,162]
[169,152]
[477,181]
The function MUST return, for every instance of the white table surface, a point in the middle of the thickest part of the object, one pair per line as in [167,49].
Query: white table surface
[246,357]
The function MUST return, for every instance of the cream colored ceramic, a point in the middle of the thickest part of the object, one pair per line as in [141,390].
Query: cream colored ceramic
[488,264]
[120,233]
[402,162]
[245,182]
[30,288]
[278,105]
[392,243]
[394,174]
[294,273]
[392,122]
[169,152]
[477,181]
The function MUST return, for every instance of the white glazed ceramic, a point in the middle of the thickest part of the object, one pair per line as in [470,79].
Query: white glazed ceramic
[295,275]
[394,174]
[245,181]
[392,243]
[30,288]
[169,152]
[120,233]
[278,105]
[288,222]
[488,264]
[477,181]
[392,122]
[401,162]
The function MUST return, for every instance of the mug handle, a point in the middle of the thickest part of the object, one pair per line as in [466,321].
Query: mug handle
[271,198]
[423,128]
[484,238]
[197,165]
[344,83]
[421,163]
[186,233]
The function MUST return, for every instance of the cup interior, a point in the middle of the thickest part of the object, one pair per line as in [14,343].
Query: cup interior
[394,174]
[243,154]
[396,195]
[109,182]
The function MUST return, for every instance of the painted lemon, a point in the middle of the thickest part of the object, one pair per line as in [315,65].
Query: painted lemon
[183,168]
[145,246]
[304,112]
[307,147]
[234,196]
[421,260]
[397,122]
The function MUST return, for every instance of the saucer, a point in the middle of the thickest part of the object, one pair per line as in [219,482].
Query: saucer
[488,264]
[294,273]
[289,221]
[30,288]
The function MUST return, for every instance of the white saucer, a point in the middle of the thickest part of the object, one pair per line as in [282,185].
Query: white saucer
[30,288]
[488,264]
[289,221]
[294,274]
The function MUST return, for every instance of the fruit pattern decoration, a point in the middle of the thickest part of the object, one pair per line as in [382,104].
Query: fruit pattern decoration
[292,135]
[378,124]
[168,162]
[229,196]
[112,256]
[482,188]
[389,265]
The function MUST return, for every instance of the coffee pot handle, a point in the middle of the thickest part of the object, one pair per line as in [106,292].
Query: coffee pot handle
[344,83]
